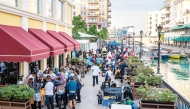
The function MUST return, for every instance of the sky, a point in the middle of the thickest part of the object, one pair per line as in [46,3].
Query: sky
[132,12]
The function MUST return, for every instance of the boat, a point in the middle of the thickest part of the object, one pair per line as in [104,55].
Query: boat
[164,54]
[174,54]
[183,55]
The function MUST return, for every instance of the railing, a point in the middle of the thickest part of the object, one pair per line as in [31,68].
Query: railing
[181,102]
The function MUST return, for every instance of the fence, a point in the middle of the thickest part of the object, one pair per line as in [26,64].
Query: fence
[181,102]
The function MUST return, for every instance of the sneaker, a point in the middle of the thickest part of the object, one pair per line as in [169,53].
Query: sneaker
[73,107]
[78,101]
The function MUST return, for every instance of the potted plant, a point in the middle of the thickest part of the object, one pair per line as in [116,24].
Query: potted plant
[165,96]
[140,79]
[154,80]
[17,92]
[75,61]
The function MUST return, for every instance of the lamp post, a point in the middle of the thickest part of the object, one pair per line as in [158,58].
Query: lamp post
[159,35]
[140,54]
[133,42]
[129,40]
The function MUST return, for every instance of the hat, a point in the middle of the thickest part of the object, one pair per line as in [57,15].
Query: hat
[63,69]
[71,77]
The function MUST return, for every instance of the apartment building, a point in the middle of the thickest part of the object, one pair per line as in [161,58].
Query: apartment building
[96,12]
[178,15]
[76,7]
[153,20]
[35,33]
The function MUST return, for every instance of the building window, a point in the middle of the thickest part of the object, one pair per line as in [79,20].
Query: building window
[34,6]
[10,2]
[74,13]
[81,13]
[150,18]
[60,11]
[49,8]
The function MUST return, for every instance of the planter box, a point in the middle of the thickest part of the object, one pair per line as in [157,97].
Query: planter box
[156,105]
[15,105]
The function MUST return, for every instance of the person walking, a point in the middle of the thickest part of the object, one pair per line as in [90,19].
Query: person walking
[72,90]
[95,72]
[49,96]
[79,85]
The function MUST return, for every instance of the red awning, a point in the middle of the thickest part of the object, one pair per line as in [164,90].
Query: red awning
[77,44]
[17,45]
[68,45]
[56,48]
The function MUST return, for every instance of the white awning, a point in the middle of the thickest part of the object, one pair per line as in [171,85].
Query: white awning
[145,49]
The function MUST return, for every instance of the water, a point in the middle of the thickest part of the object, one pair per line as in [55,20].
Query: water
[176,72]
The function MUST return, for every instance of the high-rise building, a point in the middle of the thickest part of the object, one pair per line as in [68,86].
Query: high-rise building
[76,8]
[96,12]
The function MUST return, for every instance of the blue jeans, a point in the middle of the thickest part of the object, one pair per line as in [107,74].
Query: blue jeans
[49,100]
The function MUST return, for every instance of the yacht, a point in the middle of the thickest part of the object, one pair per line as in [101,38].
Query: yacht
[174,54]
[164,54]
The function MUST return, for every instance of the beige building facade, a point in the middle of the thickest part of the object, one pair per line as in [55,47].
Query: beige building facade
[52,15]
[96,12]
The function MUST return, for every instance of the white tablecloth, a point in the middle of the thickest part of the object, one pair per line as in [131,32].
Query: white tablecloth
[120,106]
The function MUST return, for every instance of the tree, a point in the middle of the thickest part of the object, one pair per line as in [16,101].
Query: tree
[79,26]
[93,31]
[104,34]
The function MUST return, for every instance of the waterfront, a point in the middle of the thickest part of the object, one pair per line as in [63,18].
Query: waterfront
[176,73]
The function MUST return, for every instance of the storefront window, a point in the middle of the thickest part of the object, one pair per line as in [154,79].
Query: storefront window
[50,62]
[60,10]
[10,2]
[9,73]
[34,65]
[61,60]
[49,10]
[34,6]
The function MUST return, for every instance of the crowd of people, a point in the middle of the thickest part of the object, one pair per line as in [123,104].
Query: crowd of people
[45,83]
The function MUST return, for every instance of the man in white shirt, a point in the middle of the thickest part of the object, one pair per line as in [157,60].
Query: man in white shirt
[52,75]
[49,97]
[95,72]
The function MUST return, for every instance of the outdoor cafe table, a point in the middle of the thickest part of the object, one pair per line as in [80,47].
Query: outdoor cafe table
[120,106]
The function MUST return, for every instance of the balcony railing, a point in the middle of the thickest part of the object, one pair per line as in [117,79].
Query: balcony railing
[109,10]
[167,19]
[181,102]
[109,4]
[109,16]
[93,15]
[167,12]
[109,22]
[167,26]
[93,2]
[179,23]
[95,9]
[167,6]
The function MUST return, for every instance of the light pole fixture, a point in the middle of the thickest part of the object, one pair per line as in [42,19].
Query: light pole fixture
[159,35]
[133,42]
[140,51]
[129,40]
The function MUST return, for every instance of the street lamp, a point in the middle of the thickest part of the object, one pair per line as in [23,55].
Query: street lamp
[129,40]
[133,42]
[159,35]
[140,54]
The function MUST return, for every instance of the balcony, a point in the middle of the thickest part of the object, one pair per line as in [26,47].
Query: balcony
[179,23]
[92,22]
[109,22]
[167,12]
[93,9]
[166,26]
[109,10]
[167,6]
[167,19]
[93,2]
[109,16]
[93,15]
[109,4]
